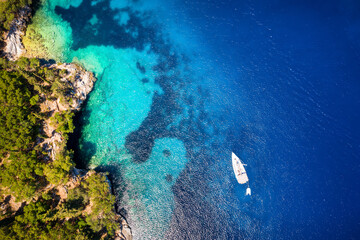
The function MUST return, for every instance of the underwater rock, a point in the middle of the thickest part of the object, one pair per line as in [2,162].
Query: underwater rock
[167,153]
[169,178]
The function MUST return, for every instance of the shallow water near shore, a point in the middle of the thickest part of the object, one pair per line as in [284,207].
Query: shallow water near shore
[181,85]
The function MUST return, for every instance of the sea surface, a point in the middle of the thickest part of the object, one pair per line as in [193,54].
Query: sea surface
[182,84]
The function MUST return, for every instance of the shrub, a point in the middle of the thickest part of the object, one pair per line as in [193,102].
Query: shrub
[57,171]
[8,10]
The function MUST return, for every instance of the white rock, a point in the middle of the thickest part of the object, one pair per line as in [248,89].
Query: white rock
[13,45]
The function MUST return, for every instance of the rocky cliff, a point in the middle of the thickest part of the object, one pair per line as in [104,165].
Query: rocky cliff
[13,45]
[81,83]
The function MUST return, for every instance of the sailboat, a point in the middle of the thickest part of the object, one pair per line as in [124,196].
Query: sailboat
[240,172]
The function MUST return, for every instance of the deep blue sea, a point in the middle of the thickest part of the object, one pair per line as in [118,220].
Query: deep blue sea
[182,84]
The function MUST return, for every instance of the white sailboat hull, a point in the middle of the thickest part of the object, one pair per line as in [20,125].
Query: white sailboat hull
[239,170]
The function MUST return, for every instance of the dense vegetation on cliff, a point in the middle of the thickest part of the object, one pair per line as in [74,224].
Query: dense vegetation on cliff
[9,9]
[42,195]
[47,219]
[30,177]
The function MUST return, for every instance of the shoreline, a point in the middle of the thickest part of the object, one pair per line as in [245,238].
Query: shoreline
[83,83]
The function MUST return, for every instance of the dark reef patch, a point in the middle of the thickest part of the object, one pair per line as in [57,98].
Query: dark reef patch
[145,80]
[167,153]
[163,110]
[106,31]
[169,178]
[140,67]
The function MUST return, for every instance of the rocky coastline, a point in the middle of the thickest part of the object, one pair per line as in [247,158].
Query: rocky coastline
[81,83]
[13,44]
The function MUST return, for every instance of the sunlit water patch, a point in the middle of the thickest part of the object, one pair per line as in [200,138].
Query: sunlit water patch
[149,197]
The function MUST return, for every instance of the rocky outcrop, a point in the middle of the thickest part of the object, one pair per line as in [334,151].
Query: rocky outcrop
[81,82]
[13,45]
[78,175]
[124,233]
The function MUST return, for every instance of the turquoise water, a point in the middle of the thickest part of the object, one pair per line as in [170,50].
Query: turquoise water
[181,84]
[121,100]
[145,106]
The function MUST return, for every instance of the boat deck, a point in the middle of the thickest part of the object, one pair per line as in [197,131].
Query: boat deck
[239,170]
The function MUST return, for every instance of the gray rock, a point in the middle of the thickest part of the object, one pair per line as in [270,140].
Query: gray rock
[13,45]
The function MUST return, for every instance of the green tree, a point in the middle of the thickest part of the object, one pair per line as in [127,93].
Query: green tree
[57,171]
[24,173]
[9,9]
[63,121]
[21,174]
[17,124]
[102,214]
